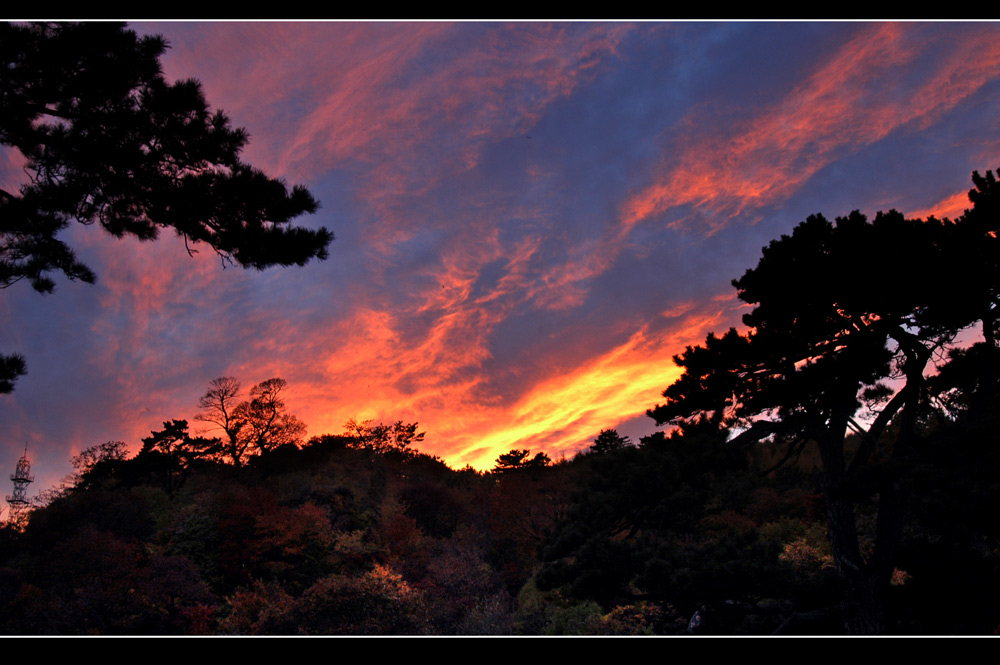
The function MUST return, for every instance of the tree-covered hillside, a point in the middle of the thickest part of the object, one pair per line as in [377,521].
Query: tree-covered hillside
[673,535]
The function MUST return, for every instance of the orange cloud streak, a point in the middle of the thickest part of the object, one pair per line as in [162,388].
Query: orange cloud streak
[380,375]
[366,111]
[950,207]
[372,362]
[858,97]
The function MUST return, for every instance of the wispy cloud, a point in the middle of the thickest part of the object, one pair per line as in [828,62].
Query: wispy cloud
[888,77]
[951,207]
[520,212]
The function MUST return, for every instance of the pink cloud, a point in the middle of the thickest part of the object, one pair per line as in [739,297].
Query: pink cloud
[950,207]
[423,102]
[375,102]
[857,97]
[12,174]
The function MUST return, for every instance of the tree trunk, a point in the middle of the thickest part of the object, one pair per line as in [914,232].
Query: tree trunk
[862,600]
[862,605]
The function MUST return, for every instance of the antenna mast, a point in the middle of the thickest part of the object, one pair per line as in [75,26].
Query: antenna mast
[18,501]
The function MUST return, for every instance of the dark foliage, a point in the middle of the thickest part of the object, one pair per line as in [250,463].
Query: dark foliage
[108,141]
[838,309]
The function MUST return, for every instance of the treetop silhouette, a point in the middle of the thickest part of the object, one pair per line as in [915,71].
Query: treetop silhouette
[838,309]
[381,438]
[518,459]
[108,141]
[609,440]
[254,426]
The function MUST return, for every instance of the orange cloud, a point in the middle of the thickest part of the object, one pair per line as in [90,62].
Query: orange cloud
[374,102]
[951,207]
[856,98]
[562,413]
[437,380]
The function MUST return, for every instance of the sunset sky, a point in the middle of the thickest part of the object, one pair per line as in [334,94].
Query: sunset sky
[531,220]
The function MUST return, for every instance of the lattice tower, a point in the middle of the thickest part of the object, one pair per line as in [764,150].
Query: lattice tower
[21,478]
